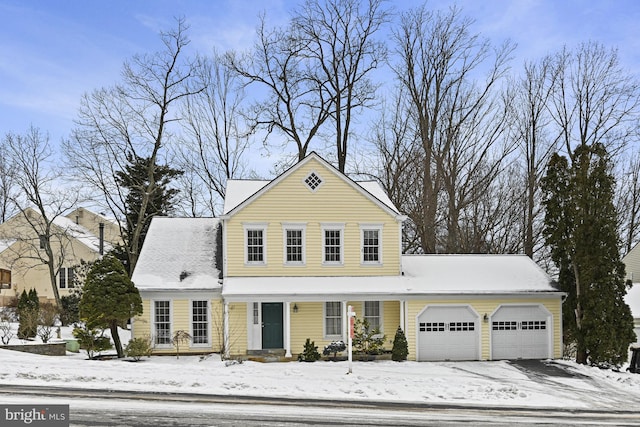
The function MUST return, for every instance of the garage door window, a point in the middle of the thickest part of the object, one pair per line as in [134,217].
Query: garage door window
[462,326]
[508,325]
[532,325]
[432,327]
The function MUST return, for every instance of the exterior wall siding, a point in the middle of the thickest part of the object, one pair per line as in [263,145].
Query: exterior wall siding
[181,320]
[482,306]
[312,209]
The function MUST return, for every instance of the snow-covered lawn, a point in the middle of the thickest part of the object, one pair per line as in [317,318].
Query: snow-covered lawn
[479,383]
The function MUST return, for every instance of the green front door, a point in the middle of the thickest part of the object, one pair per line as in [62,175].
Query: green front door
[272,325]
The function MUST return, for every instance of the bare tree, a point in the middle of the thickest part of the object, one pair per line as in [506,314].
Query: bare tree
[294,102]
[42,199]
[458,126]
[594,100]
[340,46]
[528,99]
[131,120]
[215,136]
[628,202]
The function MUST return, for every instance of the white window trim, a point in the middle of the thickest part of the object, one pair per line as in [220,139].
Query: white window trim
[304,181]
[378,228]
[255,226]
[153,322]
[324,322]
[329,227]
[381,310]
[294,226]
[208,305]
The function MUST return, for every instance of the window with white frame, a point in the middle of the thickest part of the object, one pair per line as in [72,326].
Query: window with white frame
[332,246]
[255,244]
[313,181]
[294,238]
[371,244]
[333,319]
[65,278]
[162,322]
[200,322]
[373,314]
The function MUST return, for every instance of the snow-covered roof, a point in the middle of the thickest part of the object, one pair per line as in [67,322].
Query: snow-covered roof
[633,300]
[178,253]
[423,275]
[239,191]
[81,234]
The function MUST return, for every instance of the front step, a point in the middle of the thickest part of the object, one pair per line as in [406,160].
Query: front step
[268,352]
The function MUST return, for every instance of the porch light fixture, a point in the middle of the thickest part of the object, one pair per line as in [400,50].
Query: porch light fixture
[485,318]
[295,307]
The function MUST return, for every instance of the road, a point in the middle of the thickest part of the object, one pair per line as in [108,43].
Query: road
[110,408]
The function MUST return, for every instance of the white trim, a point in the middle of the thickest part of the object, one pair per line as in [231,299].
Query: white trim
[324,321]
[255,226]
[153,323]
[208,344]
[371,227]
[297,226]
[287,329]
[332,227]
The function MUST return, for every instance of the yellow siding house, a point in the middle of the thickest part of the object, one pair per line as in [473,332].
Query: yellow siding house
[295,252]
[81,235]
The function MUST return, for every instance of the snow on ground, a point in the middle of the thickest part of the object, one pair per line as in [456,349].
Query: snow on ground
[471,383]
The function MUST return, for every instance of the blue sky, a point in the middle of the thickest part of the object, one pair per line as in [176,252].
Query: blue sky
[53,51]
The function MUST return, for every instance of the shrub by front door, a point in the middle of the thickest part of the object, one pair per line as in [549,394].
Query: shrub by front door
[272,323]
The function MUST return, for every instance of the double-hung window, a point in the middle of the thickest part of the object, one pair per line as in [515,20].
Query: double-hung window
[373,314]
[332,244]
[371,236]
[255,244]
[65,278]
[333,319]
[162,323]
[200,322]
[294,241]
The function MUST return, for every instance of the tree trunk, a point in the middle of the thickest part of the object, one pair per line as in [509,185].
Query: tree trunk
[113,327]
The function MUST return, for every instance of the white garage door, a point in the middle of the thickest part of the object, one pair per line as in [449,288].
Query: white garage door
[520,332]
[448,333]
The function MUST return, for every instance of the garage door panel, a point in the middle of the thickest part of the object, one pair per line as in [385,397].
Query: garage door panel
[520,332]
[448,333]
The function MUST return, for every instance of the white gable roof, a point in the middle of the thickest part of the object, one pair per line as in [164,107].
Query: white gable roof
[178,253]
[423,275]
[239,192]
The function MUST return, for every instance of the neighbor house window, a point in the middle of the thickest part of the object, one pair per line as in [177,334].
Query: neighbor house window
[294,237]
[373,314]
[43,241]
[162,322]
[371,244]
[5,279]
[332,244]
[66,277]
[333,319]
[200,322]
[255,247]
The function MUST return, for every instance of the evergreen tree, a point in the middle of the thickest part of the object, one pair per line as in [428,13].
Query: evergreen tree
[400,349]
[580,228]
[109,298]
[28,310]
[135,179]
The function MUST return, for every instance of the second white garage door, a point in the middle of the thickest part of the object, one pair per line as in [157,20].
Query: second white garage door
[448,333]
[520,332]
